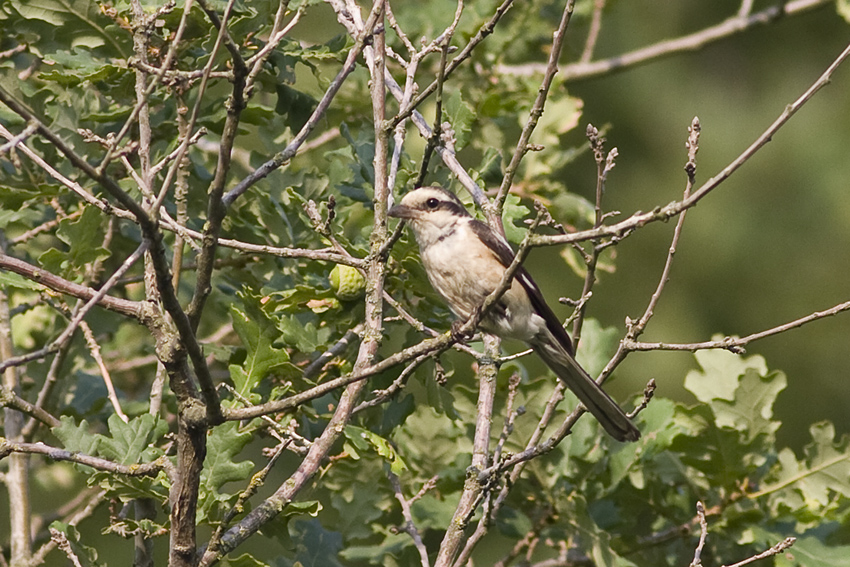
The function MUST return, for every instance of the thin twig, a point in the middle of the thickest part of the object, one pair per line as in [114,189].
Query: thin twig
[775,550]
[736,344]
[666,212]
[17,139]
[409,526]
[593,31]
[94,349]
[703,533]
[692,42]
[636,328]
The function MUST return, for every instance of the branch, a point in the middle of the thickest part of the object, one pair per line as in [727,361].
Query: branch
[216,210]
[145,469]
[473,487]
[734,344]
[17,479]
[409,526]
[95,298]
[150,230]
[736,24]
[703,528]
[666,212]
[636,328]
[289,152]
[9,399]
[321,447]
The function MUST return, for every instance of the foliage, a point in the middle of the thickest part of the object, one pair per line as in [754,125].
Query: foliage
[290,307]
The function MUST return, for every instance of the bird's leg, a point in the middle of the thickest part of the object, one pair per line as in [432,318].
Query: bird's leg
[460,334]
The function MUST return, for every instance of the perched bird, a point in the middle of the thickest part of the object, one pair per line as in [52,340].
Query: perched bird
[465,260]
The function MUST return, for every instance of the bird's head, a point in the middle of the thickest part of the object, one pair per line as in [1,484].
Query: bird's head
[431,211]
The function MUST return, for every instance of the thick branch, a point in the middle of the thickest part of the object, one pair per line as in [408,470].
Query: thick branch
[133,309]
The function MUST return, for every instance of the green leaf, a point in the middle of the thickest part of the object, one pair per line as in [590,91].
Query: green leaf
[812,552]
[295,105]
[81,235]
[131,443]
[279,527]
[718,378]
[75,437]
[257,332]
[47,10]
[752,408]
[244,560]
[391,546]
[13,280]
[461,117]
[224,444]
[512,212]
[361,438]
[596,541]
[315,545]
[805,487]
[598,344]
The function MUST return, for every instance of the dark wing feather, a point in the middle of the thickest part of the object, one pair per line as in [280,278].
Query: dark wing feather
[560,357]
[505,255]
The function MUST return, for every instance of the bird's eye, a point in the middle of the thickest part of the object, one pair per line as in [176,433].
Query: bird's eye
[432,203]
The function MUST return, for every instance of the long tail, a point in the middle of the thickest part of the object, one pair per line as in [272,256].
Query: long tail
[594,398]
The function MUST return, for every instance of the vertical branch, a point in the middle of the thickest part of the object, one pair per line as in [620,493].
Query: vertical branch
[473,487]
[216,210]
[140,50]
[635,328]
[438,116]
[17,477]
[593,32]
[603,167]
[375,269]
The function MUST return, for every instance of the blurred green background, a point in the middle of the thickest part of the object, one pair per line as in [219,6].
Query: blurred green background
[772,243]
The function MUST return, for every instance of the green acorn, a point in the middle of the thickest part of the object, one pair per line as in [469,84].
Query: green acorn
[347,283]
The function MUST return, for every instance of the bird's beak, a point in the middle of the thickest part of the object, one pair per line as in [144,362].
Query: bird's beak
[402,212]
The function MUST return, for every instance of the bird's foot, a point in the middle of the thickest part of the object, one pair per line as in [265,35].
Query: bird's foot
[459,333]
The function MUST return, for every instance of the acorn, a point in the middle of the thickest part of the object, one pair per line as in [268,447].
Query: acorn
[347,283]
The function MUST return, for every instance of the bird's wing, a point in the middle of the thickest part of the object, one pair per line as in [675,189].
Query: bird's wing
[502,250]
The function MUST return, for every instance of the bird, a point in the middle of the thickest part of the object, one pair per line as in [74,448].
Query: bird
[465,261]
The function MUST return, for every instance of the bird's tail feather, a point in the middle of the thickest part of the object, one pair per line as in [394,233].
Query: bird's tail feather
[594,398]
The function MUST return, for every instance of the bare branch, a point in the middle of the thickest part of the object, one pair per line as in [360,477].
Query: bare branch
[640,219]
[703,533]
[9,399]
[144,469]
[409,526]
[736,344]
[453,540]
[734,25]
